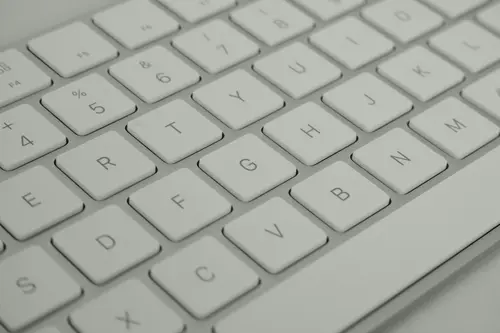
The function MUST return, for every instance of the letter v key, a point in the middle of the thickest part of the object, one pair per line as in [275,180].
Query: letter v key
[276,233]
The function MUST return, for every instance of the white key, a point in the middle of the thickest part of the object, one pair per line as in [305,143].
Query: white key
[105,244]
[340,196]
[136,23]
[72,49]
[247,167]
[399,160]
[489,17]
[352,43]
[194,11]
[48,330]
[297,70]
[215,46]
[174,131]
[35,200]
[421,73]
[180,204]
[310,133]
[105,165]
[405,20]
[485,93]
[368,102]
[129,307]
[26,135]
[275,235]
[469,45]
[455,8]
[455,128]
[381,261]
[19,77]
[238,99]
[32,285]
[272,21]
[88,104]
[329,9]
[204,277]
[154,74]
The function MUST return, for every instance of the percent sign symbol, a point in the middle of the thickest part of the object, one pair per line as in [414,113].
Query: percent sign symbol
[79,94]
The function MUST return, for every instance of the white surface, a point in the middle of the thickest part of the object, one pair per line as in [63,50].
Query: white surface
[48,330]
[489,17]
[485,93]
[328,9]
[455,8]
[197,10]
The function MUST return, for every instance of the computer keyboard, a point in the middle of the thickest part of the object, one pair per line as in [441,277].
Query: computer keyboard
[240,166]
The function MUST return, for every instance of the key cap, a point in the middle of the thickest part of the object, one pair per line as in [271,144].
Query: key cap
[48,330]
[154,74]
[204,277]
[136,23]
[329,9]
[421,73]
[469,45]
[35,200]
[238,99]
[399,160]
[275,235]
[416,238]
[455,128]
[174,131]
[272,21]
[32,285]
[247,167]
[297,70]
[215,46]
[489,17]
[180,204]
[105,244]
[88,104]
[455,8]
[26,135]
[485,93]
[368,102]
[19,77]
[310,133]
[352,43]
[130,306]
[72,49]
[405,20]
[105,165]
[194,11]
[340,196]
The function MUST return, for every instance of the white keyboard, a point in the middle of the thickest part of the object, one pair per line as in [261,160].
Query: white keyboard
[240,166]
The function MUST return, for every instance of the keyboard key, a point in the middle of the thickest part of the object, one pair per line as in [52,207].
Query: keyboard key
[174,131]
[485,93]
[421,73]
[180,204]
[26,135]
[48,330]
[105,244]
[247,167]
[328,9]
[194,11]
[72,49]
[352,43]
[406,20]
[32,286]
[340,196]
[455,128]
[238,99]
[368,102]
[130,306]
[469,45]
[275,235]
[400,161]
[204,277]
[489,17]
[88,104]
[136,23]
[310,133]
[35,200]
[455,8]
[297,70]
[154,74]
[272,21]
[19,77]
[105,165]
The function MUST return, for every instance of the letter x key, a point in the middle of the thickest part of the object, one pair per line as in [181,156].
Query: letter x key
[129,322]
